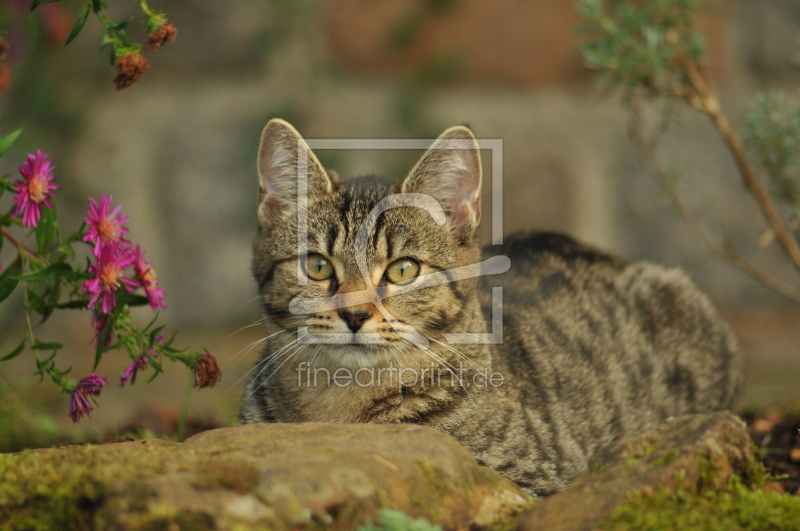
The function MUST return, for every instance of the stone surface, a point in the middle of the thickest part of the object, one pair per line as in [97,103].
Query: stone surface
[268,476]
[706,450]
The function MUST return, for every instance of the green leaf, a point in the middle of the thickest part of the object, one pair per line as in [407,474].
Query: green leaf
[154,333]
[38,345]
[55,271]
[122,25]
[71,305]
[45,229]
[66,249]
[7,281]
[8,140]
[37,2]
[102,340]
[17,351]
[79,22]
[37,303]
[131,299]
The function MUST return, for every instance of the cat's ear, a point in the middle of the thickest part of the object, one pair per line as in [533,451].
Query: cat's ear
[450,171]
[279,152]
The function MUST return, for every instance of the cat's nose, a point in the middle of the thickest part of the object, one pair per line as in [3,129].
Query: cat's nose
[354,320]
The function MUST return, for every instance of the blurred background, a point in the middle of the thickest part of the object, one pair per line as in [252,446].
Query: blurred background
[177,150]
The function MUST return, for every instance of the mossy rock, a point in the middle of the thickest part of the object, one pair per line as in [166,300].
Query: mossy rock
[261,476]
[694,472]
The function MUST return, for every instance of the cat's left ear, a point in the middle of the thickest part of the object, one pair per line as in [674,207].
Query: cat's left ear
[450,171]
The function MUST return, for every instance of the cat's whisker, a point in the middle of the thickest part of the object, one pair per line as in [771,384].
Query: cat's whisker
[273,357]
[450,369]
[266,362]
[248,348]
[285,352]
[314,355]
[241,355]
[251,345]
[251,325]
[291,356]
[456,351]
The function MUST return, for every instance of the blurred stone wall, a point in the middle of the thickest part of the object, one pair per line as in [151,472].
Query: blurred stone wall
[178,148]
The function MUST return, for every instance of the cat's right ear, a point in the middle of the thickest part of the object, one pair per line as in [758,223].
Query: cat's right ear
[280,151]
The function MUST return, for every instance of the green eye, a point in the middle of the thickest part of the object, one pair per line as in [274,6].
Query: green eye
[402,270]
[318,267]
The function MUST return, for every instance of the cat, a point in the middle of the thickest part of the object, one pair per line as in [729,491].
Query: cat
[593,347]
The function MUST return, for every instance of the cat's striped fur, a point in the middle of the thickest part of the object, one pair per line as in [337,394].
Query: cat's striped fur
[594,347]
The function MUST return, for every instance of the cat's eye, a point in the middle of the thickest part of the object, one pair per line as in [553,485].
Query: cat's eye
[402,270]
[318,267]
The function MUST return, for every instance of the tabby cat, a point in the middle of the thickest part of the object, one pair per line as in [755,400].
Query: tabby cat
[593,347]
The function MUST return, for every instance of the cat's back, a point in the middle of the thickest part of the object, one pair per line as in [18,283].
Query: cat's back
[602,347]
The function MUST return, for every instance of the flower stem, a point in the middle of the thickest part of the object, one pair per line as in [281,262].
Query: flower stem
[16,242]
[144,7]
[185,409]
[28,315]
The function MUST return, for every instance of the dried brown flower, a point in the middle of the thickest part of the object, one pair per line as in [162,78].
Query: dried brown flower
[207,372]
[162,35]
[4,47]
[129,69]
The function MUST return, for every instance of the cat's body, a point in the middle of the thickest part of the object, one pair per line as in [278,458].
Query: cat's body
[594,348]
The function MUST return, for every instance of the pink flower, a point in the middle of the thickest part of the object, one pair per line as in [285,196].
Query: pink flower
[149,280]
[35,189]
[104,228]
[79,404]
[111,261]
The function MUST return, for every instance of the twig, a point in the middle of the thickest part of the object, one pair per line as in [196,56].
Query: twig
[16,242]
[778,286]
[707,101]
[729,252]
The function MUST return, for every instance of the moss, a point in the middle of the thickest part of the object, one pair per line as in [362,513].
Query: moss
[646,451]
[40,491]
[667,458]
[740,504]
[435,479]
[391,520]
[510,520]
[438,486]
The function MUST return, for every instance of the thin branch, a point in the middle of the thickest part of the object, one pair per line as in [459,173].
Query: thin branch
[708,102]
[16,242]
[729,252]
[776,285]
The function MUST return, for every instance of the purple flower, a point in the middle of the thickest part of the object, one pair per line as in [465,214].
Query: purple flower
[105,229]
[139,364]
[149,280]
[99,322]
[86,389]
[111,261]
[35,189]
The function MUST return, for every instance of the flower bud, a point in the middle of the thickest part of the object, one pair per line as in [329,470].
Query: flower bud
[129,69]
[206,372]
[164,34]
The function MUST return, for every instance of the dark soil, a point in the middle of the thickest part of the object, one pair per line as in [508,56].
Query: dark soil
[776,434]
